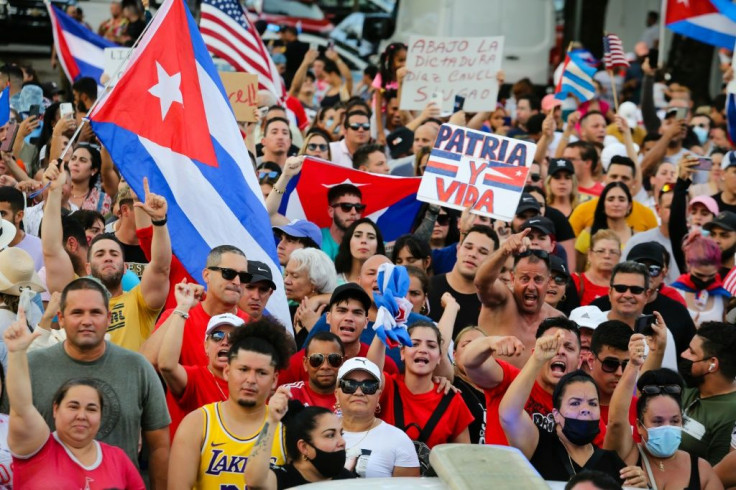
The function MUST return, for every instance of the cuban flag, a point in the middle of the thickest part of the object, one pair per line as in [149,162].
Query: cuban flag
[497,174]
[702,20]
[391,201]
[577,78]
[81,52]
[731,110]
[4,106]
[168,118]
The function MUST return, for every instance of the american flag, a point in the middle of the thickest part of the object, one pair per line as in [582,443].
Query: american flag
[613,52]
[230,36]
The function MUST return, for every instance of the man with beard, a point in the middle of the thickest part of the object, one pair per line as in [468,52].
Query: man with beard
[344,207]
[709,402]
[323,356]
[723,230]
[85,94]
[276,141]
[488,372]
[474,249]
[257,292]
[517,310]
[133,313]
[213,443]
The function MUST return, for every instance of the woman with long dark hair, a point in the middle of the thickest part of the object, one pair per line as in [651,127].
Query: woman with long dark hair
[363,239]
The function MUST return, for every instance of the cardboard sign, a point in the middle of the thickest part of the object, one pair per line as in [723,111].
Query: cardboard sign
[114,58]
[452,66]
[482,170]
[241,89]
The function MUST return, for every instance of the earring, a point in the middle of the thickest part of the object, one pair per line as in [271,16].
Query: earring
[378,407]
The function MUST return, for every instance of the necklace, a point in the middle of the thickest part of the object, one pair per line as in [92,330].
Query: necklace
[660,462]
[214,380]
[356,446]
[570,459]
[83,194]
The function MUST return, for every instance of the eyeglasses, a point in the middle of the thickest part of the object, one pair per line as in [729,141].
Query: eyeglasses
[346,207]
[357,126]
[603,251]
[559,280]
[230,274]
[537,253]
[535,177]
[316,360]
[661,389]
[218,335]
[654,270]
[622,288]
[264,174]
[443,219]
[367,386]
[317,147]
[611,364]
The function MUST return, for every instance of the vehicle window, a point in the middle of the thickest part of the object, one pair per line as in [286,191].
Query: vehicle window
[293,8]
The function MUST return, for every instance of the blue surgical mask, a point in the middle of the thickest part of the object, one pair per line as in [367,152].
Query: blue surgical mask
[701,133]
[664,440]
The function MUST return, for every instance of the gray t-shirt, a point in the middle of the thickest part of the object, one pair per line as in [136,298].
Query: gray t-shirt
[133,398]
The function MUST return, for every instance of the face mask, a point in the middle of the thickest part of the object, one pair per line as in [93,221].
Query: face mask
[663,441]
[728,253]
[700,284]
[581,432]
[328,464]
[701,133]
[685,366]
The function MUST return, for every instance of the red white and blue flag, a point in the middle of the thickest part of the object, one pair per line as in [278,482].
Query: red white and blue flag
[497,174]
[703,21]
[391,202]
[4,106]
[613,52]
[168,119]
[81,52]
[577,77]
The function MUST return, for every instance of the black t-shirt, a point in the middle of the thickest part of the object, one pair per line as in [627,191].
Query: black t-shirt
[476,402]
[722,206]
[135,259]
[675,315]
[563,230]
[551,460]
[469,304]
[287,476]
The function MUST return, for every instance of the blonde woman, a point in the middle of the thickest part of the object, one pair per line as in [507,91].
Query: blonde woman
[562,186]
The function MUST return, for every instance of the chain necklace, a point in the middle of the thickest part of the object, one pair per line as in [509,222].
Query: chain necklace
[660,462]
[570,459]
[214,380]
[357,444]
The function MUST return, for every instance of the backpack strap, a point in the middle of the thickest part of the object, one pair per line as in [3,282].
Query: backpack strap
[433,420]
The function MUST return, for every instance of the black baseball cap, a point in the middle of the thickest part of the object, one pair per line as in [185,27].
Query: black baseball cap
[649,251]
[725,220]
[350,290]
[528,202]
[556,264]
[400,141]
[260,272]
[560,164]
[545,225]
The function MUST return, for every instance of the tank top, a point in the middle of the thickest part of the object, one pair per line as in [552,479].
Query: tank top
[224,455]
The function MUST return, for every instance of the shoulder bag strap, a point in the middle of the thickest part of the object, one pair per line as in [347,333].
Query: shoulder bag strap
[398,409]
[436,416]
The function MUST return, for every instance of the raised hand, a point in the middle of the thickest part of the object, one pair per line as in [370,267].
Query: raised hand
[546,347]
[278,405]
[17,337]
[686,166]
[154,206]
[293,166]
[448,301]
[185,294]
[637,351]
[55,175]
[517,243]
[508,346]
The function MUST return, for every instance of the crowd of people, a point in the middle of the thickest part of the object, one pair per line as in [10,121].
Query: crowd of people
[594,332]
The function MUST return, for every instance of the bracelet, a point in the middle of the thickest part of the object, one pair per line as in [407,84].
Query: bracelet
[159,223]
[278,191]
[181,314]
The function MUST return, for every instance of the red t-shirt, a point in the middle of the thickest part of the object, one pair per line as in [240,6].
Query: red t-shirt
[302,392]
[538,406]
[54,466]
[604,423]
[296,372]
[202,388]
[418,408]
[177,272]
[591,291]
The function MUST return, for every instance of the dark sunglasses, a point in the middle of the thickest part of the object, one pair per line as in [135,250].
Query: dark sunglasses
[611,364]
[357,126]
[367,386]
[622,288]
[317,146]
[230,274]
[264,174]
[218,335]
[560,280]
[535,177]
[661,389]
[537,253]
[654,270]
[443,219]
[346,207]
[316,360]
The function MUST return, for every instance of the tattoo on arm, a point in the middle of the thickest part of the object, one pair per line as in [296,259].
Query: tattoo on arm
[261,441]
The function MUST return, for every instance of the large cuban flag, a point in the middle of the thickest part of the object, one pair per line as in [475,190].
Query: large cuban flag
[702,20]
[168,119]
[391,202]
[81,52]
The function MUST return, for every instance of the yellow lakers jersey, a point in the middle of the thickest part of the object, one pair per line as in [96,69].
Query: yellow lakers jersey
[224,455]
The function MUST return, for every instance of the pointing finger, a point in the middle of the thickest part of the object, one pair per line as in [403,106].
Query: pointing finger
[146,189]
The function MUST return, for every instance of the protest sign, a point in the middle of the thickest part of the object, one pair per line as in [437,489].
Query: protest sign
[452,66]
[241,89]
[482,170]
[114,57]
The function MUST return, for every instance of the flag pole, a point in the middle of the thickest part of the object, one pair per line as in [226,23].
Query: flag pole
[611,78]
[662,17]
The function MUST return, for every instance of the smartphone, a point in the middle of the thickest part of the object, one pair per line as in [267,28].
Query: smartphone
[330,44]
[7,144]
[680,113]
[507,121]
[644,324]
[66,111]
[459,103]
[653,58]
[34,110]
[704,163]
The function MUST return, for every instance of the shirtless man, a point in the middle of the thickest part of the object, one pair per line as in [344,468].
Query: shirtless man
[518,310]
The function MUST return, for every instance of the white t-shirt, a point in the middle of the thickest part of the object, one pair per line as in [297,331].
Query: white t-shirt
[373,454]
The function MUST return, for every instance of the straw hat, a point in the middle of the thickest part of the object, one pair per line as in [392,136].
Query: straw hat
[17,271]
[7,233]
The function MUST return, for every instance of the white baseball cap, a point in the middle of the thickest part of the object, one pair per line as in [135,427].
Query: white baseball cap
[588,316]
[359,364]
[223,319]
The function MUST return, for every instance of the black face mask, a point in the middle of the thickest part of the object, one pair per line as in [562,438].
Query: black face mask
[328,464]
[728,253]
[685,366]
[700,284]
[581,432]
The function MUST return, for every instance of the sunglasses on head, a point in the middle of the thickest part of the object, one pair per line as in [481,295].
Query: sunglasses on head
[218,335]
[622,288]
[611,364]
[535,252]
[443,219]
[367,386]
[230,274]
[317,147]
[316,360]
[535,177]
[346,207]
[661,389]
[265,174]
[357,126]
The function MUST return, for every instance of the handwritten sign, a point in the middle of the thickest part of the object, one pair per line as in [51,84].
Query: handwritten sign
[114,58]
[452,66]
[482,170]
[241,89]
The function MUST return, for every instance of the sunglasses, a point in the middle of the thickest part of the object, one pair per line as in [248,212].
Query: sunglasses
[264,174]
[316,360]
[230,274]
[443,219]
[346,207]
[367,386]
[535,177]
[316,147]
[661,389]
[559,280]
[537,253]
[357,126]
[611,364]
[654,270]
[218,335]
[622,288]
